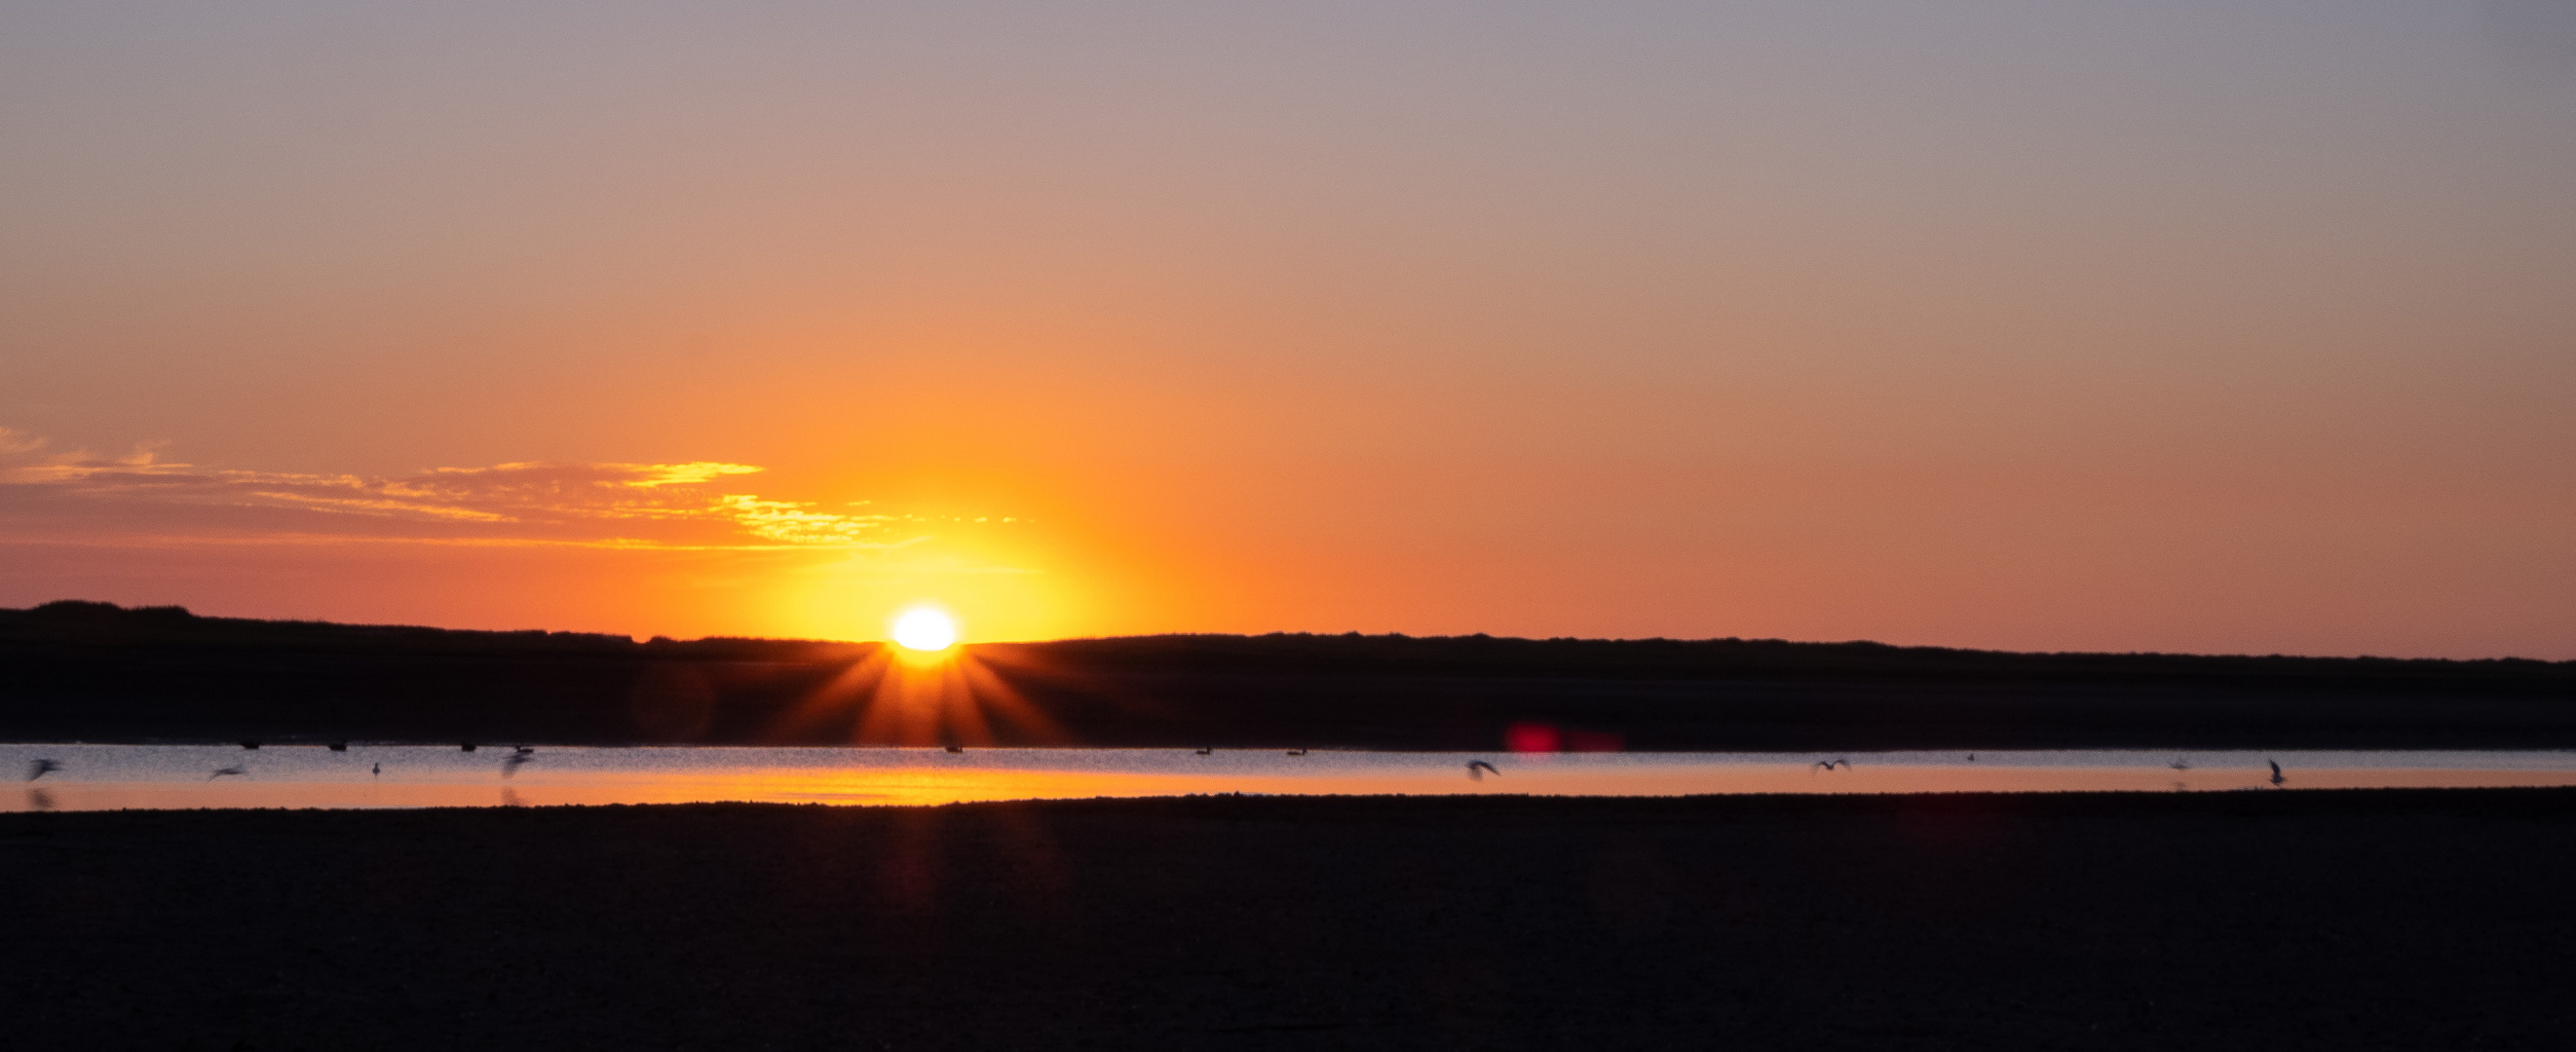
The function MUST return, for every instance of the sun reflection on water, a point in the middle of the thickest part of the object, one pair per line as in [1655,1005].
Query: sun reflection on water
[111,777]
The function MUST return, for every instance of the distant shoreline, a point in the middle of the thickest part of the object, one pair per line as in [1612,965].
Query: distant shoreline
[95,672]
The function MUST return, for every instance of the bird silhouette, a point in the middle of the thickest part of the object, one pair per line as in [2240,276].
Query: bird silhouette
[1206,751]
[1478,769]
[956,748]
[222,771]
[1827,765]
[39,768]
[2179,765]
[1972,757]
[2276,771]
[380,769]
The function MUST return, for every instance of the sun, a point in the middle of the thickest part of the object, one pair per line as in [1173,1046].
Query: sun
[925,628]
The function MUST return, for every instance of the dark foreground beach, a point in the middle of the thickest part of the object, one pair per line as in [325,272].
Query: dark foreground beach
[2342,920]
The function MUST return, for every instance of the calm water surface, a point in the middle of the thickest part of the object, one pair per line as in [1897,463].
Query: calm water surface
[105,777]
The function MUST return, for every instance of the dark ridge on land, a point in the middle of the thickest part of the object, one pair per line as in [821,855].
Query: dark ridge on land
[2330,920]
[1562,658]
[97,672]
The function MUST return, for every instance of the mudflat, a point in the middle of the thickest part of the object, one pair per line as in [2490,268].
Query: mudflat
[2325,919]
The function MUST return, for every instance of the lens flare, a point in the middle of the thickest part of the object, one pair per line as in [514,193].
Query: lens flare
[925,628]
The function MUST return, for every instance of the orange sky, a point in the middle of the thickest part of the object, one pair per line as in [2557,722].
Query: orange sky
[2140,326]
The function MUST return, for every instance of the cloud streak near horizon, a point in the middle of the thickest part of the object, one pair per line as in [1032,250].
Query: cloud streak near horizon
[687,506]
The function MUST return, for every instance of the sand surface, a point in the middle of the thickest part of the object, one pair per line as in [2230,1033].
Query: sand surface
[2329,920]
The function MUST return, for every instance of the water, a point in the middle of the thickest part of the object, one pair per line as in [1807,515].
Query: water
[108,777]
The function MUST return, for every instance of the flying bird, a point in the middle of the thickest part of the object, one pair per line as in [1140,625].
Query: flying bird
[380,769]
[2276,771]
[222,771]
[1827,765]
[1478,769]
[39,768]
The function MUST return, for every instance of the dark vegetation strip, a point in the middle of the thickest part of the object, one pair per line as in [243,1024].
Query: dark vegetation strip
[91,671]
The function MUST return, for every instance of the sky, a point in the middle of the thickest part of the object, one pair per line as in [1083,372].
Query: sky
[2121,325]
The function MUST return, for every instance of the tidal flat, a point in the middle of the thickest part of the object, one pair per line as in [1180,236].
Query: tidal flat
[2344,919]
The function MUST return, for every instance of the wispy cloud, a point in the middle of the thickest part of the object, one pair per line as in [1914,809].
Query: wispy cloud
[691,506]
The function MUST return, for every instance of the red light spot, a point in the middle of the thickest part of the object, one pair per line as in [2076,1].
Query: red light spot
[1532,737]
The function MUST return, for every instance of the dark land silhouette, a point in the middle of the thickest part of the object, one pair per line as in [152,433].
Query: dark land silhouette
[2337,920]
[78,671]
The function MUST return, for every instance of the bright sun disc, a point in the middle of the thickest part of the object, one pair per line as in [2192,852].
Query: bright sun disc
[925,628]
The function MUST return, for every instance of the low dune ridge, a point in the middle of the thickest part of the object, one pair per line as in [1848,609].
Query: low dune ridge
[94,672]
